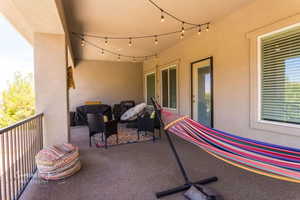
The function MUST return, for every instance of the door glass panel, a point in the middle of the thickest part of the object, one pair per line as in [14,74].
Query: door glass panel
[204,95]
[173,93]
[150,87]
[165,82]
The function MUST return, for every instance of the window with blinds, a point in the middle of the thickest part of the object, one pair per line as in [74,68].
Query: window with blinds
[280,76]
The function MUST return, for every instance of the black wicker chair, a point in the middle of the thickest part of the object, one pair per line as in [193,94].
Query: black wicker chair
[147,124]
[120,109]
[96,125]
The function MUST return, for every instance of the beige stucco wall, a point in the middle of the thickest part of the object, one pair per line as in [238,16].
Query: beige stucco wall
[229,46]
[109,82]
[51,86]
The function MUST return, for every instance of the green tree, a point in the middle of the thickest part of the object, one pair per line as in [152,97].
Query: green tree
[18,100]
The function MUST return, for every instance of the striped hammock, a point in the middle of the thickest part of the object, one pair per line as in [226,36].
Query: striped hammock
[259,157]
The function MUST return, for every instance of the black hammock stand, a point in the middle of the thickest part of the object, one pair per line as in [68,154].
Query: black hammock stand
[188,183]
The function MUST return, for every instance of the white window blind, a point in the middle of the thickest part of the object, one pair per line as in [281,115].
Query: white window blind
[280,76]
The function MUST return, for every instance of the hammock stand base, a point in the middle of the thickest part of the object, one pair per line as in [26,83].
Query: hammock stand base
[185,187]
[188,183]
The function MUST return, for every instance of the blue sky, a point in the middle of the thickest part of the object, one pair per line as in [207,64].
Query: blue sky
[16,54]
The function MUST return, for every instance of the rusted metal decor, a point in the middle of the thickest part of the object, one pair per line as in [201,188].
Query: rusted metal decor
[19,144]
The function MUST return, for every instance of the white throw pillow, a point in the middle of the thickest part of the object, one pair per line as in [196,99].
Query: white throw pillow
[132,113]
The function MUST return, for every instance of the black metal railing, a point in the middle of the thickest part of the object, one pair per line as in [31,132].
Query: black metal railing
[19,144]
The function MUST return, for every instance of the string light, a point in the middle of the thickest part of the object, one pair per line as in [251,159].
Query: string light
[199,30]
[207,27]
[181,35]
[182,27]
[163,13]
[82,42]
[103,50]
[162,17]
[130,42]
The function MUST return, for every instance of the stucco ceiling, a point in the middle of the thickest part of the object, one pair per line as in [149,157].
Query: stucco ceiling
[134,18]
[32,16]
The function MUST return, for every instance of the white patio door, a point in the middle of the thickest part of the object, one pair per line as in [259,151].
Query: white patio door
[202,110]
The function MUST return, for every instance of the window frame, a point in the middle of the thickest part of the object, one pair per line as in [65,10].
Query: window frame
[256,121]
[145,85]
[161,86]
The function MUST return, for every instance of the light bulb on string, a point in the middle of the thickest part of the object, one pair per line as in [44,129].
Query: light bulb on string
[106,41]
[130,42]
[199,30]
[82,42]
[182,27]
[119,57]
[162,17]
[102,52]
[181,35]
[155,40]
[207,27]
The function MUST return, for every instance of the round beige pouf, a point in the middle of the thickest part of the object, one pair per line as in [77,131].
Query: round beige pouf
[58,162]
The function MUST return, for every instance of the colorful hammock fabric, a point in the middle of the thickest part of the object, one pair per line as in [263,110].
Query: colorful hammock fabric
[263,158]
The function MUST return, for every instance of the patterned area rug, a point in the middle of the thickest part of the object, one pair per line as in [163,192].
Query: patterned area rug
[126,136]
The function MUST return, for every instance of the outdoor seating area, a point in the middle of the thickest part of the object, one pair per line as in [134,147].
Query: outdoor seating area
[125,122]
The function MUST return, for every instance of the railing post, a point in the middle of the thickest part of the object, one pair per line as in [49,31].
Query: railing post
[19,144]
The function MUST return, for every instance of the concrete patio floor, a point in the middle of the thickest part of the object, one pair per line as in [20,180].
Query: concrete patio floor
[137,171]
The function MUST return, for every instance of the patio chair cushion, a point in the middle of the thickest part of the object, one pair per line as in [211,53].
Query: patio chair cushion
[57,162]
[92,102]
[132,113]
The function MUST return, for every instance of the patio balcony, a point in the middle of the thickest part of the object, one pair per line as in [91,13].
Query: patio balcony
[137,171]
